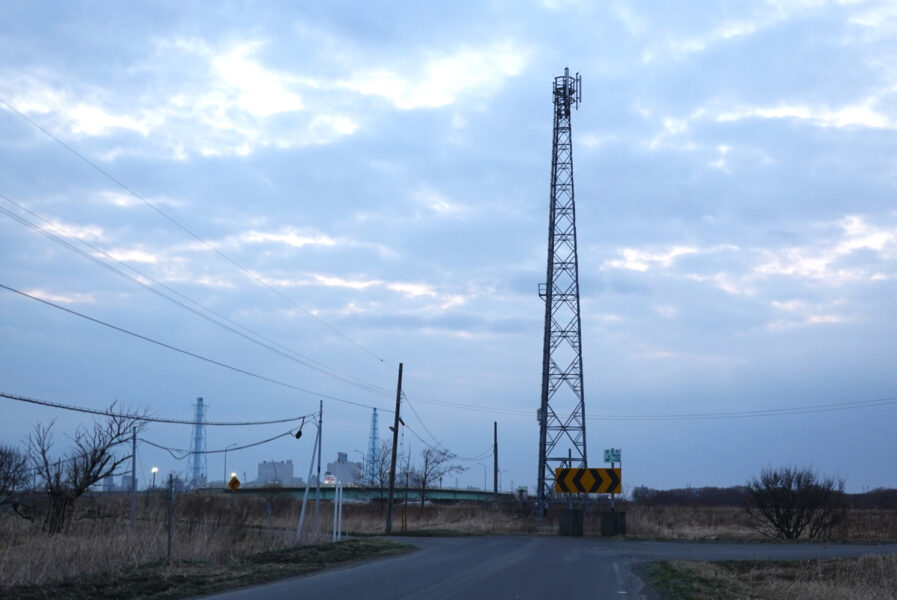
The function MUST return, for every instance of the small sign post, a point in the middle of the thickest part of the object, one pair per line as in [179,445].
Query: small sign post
[233,484]
[612,455]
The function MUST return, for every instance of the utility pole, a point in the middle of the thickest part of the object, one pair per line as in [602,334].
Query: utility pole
[395,447]
[170,502]
[134,479]
[311,465]
[495,461]
[318,481]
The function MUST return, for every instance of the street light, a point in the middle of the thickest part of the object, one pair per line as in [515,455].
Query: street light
[154,470]
[225,461]
[484,475]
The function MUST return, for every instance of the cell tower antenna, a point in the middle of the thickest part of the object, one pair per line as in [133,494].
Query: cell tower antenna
[562,418]
[197,465]
[373,458]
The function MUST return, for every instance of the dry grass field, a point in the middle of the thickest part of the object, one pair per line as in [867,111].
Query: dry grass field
[869,578]
[219,529]
[730,523]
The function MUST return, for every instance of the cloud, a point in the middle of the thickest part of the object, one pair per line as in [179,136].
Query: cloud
[70,298]
[441,80]
[134,255]
[862,115]
[255,89]
[439,204]
[822,261]
[641,260]
[332,281]
[287,236]
[223,102]
[86,233]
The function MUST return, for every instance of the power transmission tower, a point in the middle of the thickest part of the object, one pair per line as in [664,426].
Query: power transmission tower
[197,464]
[373,458]
[562,425]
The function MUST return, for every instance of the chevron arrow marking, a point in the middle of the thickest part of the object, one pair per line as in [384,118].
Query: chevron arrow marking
[614,477]
[559,484]
[588,481]
[577,480]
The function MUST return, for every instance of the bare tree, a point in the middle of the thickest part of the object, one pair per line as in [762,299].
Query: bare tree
[789,501]
[13,475]
[90,459]
[436,465]
[380,480]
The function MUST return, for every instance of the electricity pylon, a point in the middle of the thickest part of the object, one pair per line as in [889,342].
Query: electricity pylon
[562,425]
[373,457]
[197,463]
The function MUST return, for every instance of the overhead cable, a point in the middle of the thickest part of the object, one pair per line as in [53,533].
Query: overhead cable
[421,421]
[252,276]
[793,410]
[187,453]
[283,351]
[146,418]
[189,353]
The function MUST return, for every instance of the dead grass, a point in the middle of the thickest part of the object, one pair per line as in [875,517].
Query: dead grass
[158,581]
[869,577]
[217,529]
[731,523]
[98,538]
[683,523]
[464,519]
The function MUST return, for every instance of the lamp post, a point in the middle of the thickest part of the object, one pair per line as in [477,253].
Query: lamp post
[154,470]
[225,461]
[484,475]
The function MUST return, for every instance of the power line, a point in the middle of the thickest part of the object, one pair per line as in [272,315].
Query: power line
[148,419]
[808,409]
[293,355]
[252,276]
[187,352]
[794,410]
[421,421]
[770,412]
[188,453]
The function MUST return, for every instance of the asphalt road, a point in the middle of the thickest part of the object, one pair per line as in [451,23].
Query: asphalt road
[512,567]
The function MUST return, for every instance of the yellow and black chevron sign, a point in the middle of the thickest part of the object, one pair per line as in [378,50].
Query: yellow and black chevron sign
[587,481]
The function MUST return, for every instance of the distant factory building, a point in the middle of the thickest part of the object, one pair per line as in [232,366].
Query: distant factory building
[275,472]
[344,471]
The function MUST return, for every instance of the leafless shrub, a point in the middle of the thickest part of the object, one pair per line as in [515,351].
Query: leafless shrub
[789,502]
[13,475]
[435,464]
[65,478]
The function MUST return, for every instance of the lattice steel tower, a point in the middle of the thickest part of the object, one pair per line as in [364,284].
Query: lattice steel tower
[562,425]
[373,457]
[197,465]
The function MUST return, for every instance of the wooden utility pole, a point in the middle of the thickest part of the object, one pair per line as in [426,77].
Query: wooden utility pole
[395,447]
[134,479]
[495,461]
[318,480]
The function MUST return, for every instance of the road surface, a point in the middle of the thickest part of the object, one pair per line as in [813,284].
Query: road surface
[524,567]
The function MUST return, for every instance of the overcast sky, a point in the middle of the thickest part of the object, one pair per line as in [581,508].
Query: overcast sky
[367,184]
